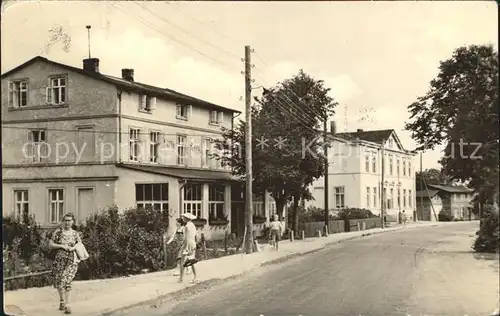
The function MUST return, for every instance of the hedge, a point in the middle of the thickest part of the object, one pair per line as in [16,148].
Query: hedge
[118,245]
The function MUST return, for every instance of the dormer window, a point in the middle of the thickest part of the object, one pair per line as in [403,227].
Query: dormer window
[147,103]
[18,93]
[183,111]
[56,91]
[216,117]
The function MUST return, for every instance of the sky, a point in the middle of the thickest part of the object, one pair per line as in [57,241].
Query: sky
[377,57]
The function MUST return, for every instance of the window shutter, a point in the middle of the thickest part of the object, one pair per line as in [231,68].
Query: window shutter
[143,102]
[220,117]
[190,111]
[48,92]
[152,103]
[179,110]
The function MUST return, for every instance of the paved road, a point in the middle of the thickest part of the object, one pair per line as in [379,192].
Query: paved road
[411,272]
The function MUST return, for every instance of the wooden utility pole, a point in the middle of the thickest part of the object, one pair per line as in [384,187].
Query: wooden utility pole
[248,152]
[382,188]
[326,190]
[422,189]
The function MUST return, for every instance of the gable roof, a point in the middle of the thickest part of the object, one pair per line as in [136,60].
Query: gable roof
[375,136]
[426,193]
[450,188]
[165,93]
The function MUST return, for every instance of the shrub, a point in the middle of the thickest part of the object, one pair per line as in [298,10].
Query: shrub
[354,213]
[488,237]
[123,244]
[444,217]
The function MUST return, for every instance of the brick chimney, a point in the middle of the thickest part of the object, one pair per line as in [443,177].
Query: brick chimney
[91,64]
[359,130]
[128,74]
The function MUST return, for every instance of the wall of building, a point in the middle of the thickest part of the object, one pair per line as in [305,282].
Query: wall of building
[347,167]
[164,119]
[126,186]
[89,103]
[38,197]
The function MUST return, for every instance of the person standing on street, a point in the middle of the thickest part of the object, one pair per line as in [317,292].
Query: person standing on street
[275,231]
[189,247]
[403,217]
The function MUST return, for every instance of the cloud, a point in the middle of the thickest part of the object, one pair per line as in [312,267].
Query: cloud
[342,87]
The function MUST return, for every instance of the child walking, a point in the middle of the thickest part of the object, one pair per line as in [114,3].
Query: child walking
[275,231]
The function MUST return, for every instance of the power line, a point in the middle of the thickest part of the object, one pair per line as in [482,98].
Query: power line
[152,26]
[143,6]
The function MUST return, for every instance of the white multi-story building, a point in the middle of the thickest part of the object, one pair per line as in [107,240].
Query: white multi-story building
[76,140]
[355,174]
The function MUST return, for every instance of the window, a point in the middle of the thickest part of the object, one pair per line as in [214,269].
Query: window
[209,149]
[391,142]
[391,165]
[181,149]
[216,117]
[404,197]
[399,198]
[183,111]
[374,197]
[409,198]
[385,198]
[258,205]
[390,200]
[18,93]
[216,201]
[192,199]
[367,163]
[56,91]
[37,146]
[409,168]
[153,146]
[21,202]
[56,204]
[339,197]
[147,103]
[153,195]
[368,197]
[404,167]
[134,144]
[397,166]
[374,163]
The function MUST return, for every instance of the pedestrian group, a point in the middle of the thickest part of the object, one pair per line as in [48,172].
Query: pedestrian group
[67,250]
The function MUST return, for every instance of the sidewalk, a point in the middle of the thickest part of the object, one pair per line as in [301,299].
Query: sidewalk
[98,297]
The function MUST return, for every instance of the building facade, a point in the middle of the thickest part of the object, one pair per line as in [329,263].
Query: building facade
[76,140]
[456,201]
[355,174]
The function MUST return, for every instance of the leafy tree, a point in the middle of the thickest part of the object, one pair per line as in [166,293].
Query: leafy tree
[431,176]
[291,111]
[460,111]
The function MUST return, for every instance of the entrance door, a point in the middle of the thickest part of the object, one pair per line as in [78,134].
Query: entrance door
[238,218]
[85,203]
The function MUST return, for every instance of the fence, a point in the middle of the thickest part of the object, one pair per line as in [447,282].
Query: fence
[339,226]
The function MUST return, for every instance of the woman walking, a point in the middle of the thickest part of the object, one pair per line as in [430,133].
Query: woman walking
[189,247]
[65,263]
[179,239]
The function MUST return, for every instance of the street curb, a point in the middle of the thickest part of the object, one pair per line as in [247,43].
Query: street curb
[216,281]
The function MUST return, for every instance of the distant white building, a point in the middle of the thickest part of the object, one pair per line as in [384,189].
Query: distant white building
[355,165]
